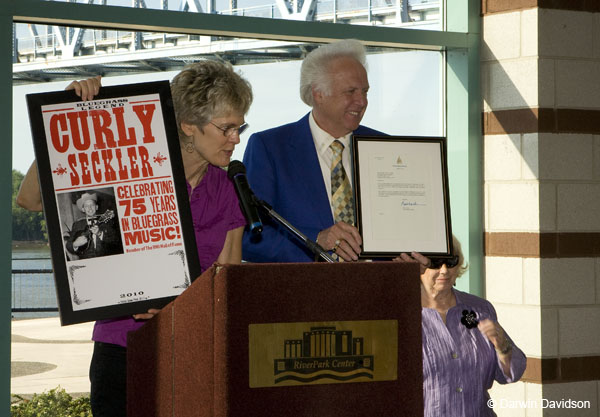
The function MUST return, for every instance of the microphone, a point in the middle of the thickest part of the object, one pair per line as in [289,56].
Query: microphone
[237,174]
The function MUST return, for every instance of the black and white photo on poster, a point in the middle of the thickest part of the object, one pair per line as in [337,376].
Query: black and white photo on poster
[90,223]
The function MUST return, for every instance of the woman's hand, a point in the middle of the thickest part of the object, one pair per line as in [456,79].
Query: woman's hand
[146,316]
[496,335]
[423,261]
[86,89]
[29,196]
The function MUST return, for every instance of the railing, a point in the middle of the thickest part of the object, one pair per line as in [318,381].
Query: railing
[386,12]
[33,289]
[268,11]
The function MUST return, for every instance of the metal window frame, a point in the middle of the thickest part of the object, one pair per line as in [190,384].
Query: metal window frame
[460,41]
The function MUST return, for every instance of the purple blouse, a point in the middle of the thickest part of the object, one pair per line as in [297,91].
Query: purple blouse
[460,364]
[215,211]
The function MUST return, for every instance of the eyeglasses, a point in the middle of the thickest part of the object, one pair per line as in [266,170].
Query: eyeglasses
[232,130]
[436,263]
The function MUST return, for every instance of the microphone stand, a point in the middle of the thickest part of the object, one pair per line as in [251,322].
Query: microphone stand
[313,246]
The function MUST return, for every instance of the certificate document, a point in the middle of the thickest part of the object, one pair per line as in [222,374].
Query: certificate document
[401,195]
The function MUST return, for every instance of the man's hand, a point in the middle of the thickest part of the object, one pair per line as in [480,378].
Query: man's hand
[86,89]
[342,239]
[80,241]
[97,231]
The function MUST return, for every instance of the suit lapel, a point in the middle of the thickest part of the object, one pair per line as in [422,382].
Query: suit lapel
[305,160]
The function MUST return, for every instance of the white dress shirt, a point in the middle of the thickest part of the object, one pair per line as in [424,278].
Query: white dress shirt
[323,141]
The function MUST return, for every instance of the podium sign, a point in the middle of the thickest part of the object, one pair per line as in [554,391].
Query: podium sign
[283,354]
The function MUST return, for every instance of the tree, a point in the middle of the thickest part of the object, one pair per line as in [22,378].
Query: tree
[26,225]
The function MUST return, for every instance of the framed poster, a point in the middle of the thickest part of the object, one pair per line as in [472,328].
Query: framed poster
[401,195]
[115,199]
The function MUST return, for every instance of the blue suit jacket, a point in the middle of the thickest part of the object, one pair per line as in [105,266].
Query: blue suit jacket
[283,170]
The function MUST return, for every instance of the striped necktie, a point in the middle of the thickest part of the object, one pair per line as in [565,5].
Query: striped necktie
[341,192]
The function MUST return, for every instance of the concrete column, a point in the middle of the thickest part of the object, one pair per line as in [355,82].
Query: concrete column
[541,90]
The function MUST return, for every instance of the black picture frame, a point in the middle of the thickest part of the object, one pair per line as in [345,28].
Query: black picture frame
[118,173]
[401,208]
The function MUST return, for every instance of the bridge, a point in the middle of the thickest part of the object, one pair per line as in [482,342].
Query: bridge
[51,53]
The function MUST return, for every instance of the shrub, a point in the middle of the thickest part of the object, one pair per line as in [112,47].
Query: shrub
[54,403]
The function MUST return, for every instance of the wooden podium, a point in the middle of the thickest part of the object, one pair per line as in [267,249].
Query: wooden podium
[198,356]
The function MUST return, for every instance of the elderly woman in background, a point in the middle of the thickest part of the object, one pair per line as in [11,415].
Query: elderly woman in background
[210,101]
[464,347]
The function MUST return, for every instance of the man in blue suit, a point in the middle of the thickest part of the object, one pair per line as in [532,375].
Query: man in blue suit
[289,166]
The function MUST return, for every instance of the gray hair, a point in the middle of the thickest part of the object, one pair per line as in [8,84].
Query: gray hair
[208,89]
[461,257]
[314,73]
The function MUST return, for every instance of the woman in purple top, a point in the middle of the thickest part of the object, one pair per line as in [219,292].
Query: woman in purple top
[464,347]
[210,101]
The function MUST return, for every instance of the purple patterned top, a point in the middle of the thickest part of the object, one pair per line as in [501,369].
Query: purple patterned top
[215,211]
[460,364]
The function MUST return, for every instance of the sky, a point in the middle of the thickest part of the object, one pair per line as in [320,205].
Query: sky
[403,100]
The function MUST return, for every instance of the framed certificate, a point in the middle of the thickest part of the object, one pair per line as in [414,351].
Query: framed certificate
[401,195]
[115,199]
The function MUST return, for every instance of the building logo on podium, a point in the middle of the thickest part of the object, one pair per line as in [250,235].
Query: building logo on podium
[332,352]
[324,352]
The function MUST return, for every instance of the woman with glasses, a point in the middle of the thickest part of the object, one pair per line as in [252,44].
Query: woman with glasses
[464,347]
[210,101]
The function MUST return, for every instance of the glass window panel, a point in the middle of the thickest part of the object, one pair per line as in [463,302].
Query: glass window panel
[418,14]
[405,96]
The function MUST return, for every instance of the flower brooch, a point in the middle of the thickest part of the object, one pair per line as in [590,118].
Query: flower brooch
[469,319]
